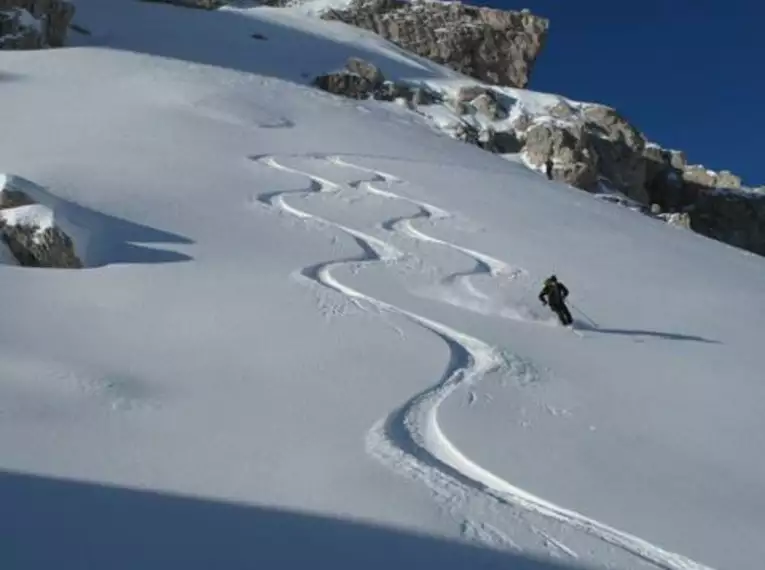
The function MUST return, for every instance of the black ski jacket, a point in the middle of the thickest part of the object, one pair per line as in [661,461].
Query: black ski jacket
[554,293]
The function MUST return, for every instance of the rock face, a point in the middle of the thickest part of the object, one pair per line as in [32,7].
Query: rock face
[495,46]
[619,147]
[564,151]
[30,234]
[593,147]
[735,219]
[34,24]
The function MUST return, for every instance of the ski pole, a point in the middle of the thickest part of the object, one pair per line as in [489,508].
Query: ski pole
[581,312]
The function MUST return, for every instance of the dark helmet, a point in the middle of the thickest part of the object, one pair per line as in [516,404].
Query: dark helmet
[552,279]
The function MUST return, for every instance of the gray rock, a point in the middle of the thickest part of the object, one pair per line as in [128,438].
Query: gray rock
[467,133]
[565,148]
[423,96]
[522,122]
[620,148]
[366,70]
[359,80]
[54,17]
[495,46]
[13,198]
[728,180]
[499,142]
[677,159]
[31,247]
[679,219]
[700,176]
[467,93]
[563,110]
[345,84]
[489,105]
[735,219]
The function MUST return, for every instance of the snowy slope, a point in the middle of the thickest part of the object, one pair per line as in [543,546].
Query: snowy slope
[309,332]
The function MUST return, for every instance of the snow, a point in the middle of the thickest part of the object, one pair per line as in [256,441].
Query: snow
[318,7]
[35,216]
[308,335]
[28,21]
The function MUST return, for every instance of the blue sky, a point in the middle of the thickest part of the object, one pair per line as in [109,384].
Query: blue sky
[689,73]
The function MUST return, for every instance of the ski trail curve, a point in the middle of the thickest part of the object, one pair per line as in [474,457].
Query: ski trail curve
[410,439]
[484,263]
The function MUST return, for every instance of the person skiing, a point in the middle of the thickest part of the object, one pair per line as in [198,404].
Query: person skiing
[549,168]
[554,294]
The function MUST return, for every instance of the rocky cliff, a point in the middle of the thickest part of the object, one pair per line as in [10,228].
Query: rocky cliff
[595,148]
[495,46]
[34,24]
[589,146]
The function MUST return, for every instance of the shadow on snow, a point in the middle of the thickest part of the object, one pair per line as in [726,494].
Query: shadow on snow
[224,38]
[638,332]
[52,523]
[117,240]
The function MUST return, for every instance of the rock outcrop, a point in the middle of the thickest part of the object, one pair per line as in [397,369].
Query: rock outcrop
[731,217]
[363,80]
[564,151]
[495,46]
[594,148]
[30,233]
[34,246]
[34,24]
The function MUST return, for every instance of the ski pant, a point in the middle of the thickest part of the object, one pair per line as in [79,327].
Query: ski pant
[563,314]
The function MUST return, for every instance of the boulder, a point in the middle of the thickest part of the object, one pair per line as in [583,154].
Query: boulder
[359,80]
[35,246]
[31,234]
[489,105]
[678,219]
[563,110]
[366,70]
[498,142]
[467,93]
[345,84]
[423,96]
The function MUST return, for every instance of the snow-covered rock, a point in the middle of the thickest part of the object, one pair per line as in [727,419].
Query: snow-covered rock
[32,232]
[361,79]
[34,24]
[34,239]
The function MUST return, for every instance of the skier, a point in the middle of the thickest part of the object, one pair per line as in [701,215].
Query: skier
[554,294]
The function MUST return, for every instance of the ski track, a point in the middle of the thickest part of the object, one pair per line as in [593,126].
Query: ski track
[410,439]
